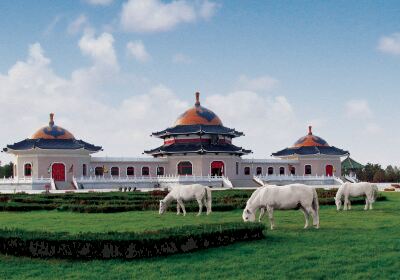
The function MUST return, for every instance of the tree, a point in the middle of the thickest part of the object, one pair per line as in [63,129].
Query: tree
[379,176]
[6,170]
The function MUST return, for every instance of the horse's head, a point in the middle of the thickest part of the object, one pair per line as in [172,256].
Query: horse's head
[338,202]
[248,215]
[163,207]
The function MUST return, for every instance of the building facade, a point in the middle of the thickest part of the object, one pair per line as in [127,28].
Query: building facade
[196,145]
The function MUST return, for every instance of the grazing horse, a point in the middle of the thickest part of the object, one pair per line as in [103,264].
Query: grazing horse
[356,189]
[295,196]
[182,193]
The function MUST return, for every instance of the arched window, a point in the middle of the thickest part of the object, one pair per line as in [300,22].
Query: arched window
[84,169]
[130,171]
[28,169]
[185,168]
[282,170]
[247,170]
[270,170]
[259,170]
[307,169]
[145,171]
[160,171]
[99,171]
[293,170]
[114,171]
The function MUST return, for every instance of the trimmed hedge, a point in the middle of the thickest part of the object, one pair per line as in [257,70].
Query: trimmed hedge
[136,201]
[125,245]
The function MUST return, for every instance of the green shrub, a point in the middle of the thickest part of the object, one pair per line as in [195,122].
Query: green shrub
[135,201]
[125,245]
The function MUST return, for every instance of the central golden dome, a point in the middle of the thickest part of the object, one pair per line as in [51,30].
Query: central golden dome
[52,131]
[198,115]
[310,140]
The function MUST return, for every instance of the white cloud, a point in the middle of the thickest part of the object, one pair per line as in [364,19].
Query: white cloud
[99,2]
[77,25]
[49,29]
[390,44]
[358,109]
[30,90]
[138,51]
[180,58]
[100,49]
[268,122]
[263,83]
[208,9]
[373,128]
[155,15]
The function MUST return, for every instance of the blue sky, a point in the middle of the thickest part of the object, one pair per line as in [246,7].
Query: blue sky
[332,64]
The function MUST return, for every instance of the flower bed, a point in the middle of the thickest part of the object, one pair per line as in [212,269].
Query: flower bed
[125,245]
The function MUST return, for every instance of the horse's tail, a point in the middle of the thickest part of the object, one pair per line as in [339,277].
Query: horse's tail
[374,192]
[315,206]
[208,199]
[315,202]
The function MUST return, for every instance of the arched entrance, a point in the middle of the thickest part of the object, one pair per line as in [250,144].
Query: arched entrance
[217,168]
[58,172]
[329,170]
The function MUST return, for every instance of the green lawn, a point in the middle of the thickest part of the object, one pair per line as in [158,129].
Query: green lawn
[349,245]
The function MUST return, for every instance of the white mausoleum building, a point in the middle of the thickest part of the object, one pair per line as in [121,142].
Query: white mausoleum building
[198,147]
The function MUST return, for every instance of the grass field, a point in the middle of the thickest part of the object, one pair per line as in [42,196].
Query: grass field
[349,245]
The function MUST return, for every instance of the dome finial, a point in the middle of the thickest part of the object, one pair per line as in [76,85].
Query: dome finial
[309,130]
[197,99]
[51,122]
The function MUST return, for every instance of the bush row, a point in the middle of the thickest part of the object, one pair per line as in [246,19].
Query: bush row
[125,245]
[222,201]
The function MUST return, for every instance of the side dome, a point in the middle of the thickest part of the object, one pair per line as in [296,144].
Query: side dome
[310,140]
[198,115]
[52,131]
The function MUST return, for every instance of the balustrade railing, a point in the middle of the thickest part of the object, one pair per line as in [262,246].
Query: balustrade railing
[296,177]
[24,180]
[149,179]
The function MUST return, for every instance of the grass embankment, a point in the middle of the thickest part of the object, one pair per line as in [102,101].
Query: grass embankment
[356,244]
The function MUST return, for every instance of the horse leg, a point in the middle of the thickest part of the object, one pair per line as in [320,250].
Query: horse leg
[306,216]
[349,204]
[370,203]
[270,211]
[200,202]
[346,203]
[262,213]
[315,217]
[204,199]
[366,203]
[182,206]
[178,208]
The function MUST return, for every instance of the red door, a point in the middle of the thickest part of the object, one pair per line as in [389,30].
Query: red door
[58,172]
[217,168]
[329,170]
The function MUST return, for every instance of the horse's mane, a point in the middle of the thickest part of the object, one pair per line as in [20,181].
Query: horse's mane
[254,196]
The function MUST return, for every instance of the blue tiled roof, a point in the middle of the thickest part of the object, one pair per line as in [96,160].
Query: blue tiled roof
[311,150]
[198,129]
[198,148]
[65,144]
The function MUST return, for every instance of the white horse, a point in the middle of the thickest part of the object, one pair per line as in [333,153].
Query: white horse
[182,193]
[356,189]
[295,196]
